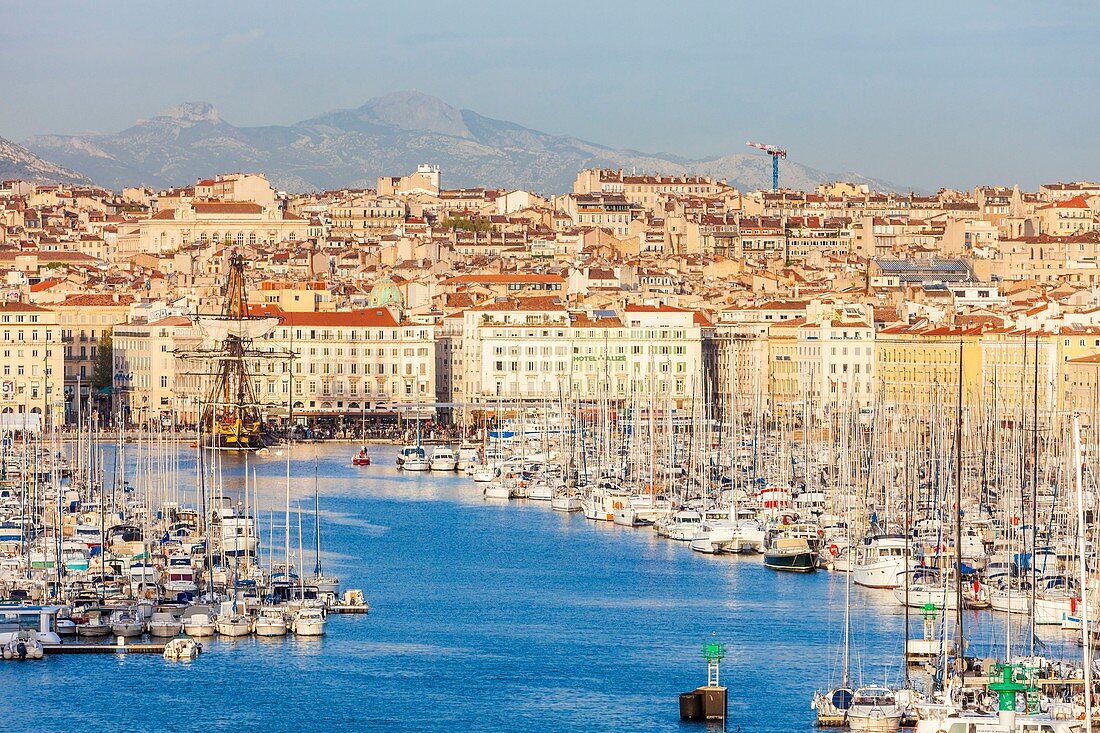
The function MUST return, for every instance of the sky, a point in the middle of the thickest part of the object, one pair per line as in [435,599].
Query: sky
[925,94]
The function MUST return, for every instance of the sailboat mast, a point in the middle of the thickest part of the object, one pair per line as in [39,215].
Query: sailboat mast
[1086,634]
[960,649]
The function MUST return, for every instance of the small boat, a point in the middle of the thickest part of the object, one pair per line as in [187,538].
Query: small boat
[93,626]
[484,474]
[199,624]
[874,709]
[126,623]
[469,458]
[362,458]
[24,646]
[270,622]
[409,451]
[567,501]
[233,625]
[882,561]
[416,463]
[443,459]
[792,554]
[309,622]
[164,624]
[182,649]
[500,489]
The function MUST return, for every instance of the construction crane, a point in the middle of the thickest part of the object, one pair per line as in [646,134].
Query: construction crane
[776,154]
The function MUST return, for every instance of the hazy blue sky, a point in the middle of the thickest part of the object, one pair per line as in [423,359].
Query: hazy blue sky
[921,93]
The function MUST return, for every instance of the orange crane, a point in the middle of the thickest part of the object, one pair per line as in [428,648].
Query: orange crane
[776,154]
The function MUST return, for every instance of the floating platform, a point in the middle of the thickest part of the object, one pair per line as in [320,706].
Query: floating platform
[832,721]
[346,608]
[105,649]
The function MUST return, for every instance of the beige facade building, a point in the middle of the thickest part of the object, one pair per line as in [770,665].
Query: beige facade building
[229,223]
[31,361]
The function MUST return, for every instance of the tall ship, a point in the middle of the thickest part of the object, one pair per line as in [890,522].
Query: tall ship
[231,416]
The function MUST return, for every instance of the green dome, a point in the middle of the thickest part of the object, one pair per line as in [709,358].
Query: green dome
[386,292]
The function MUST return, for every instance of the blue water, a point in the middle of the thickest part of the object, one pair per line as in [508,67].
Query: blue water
[485,616]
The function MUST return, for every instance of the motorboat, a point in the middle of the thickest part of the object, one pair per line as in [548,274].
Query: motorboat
[791,554]
[362,458]
[180,575]
[720,536]
[39,621]
[685,525]
[125,622]
[93,625]
[164,624]
[882,561]
[874,709]
[566,501]
[24,646]
[484,474]
[309,621]
[502,488]
[790,545]
[469,458]
[199,624]
[230,622]
[603,501]
[416,463]
[443,459]
[182,649]
[409,451]
[271,621]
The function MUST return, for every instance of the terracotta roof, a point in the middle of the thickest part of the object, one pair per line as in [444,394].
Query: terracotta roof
[226,207]
[96,300]
[367,317]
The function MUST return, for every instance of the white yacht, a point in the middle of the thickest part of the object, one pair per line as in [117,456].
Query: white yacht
[164,624]
[685,525]
[233,624]
[409,451]
[501,488]
[1006,722]
[484,474]
[874,709]
[882,561]
[309,622]
[180,575]
[271,621]
[443,459]
[469,458]
[125,622]
[199,624]
[566,500]
[416,463]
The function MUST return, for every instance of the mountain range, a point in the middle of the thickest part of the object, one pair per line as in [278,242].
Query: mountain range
[388,135]
[18,163]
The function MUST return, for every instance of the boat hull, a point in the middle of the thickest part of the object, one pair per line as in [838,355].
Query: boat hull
[802,562]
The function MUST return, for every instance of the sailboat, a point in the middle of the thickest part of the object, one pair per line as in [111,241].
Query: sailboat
[328,586]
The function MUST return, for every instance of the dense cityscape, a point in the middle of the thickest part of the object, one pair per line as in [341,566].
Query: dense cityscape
[413,296]
[572,368]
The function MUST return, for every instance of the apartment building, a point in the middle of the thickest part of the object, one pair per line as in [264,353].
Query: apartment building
[31,361]
[534,349]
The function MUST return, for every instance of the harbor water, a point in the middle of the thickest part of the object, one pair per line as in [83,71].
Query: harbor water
[485,616]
